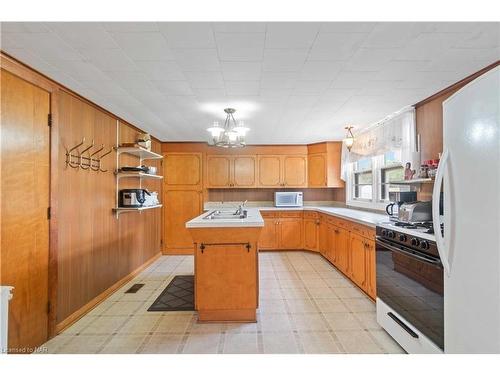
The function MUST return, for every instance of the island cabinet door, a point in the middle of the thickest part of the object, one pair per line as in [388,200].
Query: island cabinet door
[290,233]
[269,236]
[218,171]
[269,171]
[244,171]
[226,277]
[295,171]
[358,260]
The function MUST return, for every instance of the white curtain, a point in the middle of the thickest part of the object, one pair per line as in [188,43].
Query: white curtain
[395,133]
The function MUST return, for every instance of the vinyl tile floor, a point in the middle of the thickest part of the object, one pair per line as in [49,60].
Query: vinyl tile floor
[306,306]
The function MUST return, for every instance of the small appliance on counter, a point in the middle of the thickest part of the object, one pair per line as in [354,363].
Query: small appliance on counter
[397,198]
[132,198]
[288,199]
[151,199]
[415,212]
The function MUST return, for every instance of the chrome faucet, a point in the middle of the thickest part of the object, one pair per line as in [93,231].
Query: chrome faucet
[239,211]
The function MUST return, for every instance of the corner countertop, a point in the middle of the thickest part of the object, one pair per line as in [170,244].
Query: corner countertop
[253,219]
[367,218]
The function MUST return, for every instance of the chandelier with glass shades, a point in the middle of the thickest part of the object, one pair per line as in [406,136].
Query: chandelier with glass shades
[231,134]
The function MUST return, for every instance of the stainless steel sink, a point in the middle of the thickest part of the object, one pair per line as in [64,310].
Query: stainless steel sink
[225,215]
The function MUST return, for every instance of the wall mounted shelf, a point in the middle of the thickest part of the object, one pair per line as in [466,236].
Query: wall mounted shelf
[139,152]
[121,210]
[137,175]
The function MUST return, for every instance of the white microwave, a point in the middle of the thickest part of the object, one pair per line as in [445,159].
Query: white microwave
[288,199]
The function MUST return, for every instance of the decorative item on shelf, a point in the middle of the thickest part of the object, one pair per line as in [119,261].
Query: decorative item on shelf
[409,173]
[349,139]
[231,134]
[424,171]
[144,140]
[151,199]
[90,162]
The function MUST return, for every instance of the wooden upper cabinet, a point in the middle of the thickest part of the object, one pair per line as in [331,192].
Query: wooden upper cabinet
[183,170]
[244,171]
[219,171]
[269,170]
[231,171]
[324,164]
[294,171]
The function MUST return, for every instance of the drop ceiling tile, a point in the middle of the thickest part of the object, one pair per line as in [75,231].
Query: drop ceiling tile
[109,59]
[284,60]
[130,27]
[370,59]
[320,70]
[311,87]
[47,46]
[239,27]
[173,87]
[291,34]
[279,80]
[24,27]
[487,37]
[129,80]
[30,59]
[144,46]
[105,87]
[210,94]
[205,80]
[241,70]
[188,34]
[351,80]
[339,94]
[427,46]
[84,35]
[240,46]
[242,87]
[393,34]
[161,70]
[336,46]
[80,70]
[347,27]
[202,60]
[399,70]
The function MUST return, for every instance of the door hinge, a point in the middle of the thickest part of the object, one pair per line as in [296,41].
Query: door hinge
[49,119]
[48,213]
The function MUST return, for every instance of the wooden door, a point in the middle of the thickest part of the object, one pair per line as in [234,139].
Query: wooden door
[25,156]
[269,239]
[323,236]
[181,206]
[182,170]
[295,171]
[218,289]
[244,171]
[358,260]
[311,232]
[371,287]
[269,171]
[316,169]
[219,171]
[290,233]
[342,250]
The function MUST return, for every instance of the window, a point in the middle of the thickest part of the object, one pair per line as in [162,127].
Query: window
[370,180]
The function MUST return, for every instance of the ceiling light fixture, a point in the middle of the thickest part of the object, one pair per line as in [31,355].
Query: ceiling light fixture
[349,139]
[231,134]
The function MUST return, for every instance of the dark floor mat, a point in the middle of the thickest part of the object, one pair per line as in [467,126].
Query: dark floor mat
[177,296]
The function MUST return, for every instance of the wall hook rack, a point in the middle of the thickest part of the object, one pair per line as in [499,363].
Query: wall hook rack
[92,161]
[87,158]
[71,157]
[103,155]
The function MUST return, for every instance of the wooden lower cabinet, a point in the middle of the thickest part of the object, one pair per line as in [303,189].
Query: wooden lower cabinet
[282,231]
[340,249]
[358,260]
[311,234]
[290,233]
[323,235]
[269,239]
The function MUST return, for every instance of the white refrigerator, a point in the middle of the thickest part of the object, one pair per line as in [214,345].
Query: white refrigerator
[469,171]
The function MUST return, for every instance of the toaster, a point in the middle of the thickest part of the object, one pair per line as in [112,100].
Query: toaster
[415,212]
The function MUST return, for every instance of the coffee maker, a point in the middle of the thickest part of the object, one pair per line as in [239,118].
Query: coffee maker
[397,198]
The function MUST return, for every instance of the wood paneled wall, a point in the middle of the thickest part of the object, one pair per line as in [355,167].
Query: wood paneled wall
[429,123]
[96,250]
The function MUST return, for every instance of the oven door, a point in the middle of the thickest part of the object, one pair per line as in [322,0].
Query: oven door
[411,283]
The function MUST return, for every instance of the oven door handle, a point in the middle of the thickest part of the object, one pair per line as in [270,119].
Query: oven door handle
[384,243]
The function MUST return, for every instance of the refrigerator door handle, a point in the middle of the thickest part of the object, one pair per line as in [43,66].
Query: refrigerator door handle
[440,240]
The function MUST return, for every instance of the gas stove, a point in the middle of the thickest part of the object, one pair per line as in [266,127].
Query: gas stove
[423,230]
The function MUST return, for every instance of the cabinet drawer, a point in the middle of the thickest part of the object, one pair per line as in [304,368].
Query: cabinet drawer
[340,222]
[363,231]
[290,213]
[267,214]
[310,215]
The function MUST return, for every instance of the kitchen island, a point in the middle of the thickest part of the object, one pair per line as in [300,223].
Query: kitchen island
[226,270]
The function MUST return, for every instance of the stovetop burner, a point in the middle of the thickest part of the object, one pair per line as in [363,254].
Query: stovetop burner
[422,225]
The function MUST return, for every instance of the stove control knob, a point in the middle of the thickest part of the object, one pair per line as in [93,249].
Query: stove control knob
[424,245]
[391,234]
[415,241]
[384,232]
[402,238]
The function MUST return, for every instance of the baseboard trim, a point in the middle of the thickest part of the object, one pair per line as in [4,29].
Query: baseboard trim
[74,317]
[189,251]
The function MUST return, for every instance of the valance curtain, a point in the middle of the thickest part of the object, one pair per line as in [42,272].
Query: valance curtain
[396,133]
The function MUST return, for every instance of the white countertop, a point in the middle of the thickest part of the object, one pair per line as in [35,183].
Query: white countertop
[367,218]
[253,219]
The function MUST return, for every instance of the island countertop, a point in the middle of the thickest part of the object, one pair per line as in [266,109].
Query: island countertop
[253,219]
